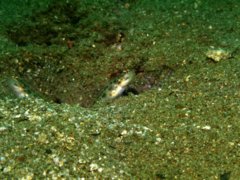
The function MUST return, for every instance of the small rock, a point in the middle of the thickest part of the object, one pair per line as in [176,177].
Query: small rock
[218,54]
[206,127]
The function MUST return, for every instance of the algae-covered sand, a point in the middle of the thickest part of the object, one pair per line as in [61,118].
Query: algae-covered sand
[179,118]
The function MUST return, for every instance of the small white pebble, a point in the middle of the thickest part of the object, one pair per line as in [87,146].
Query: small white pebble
[93,167]
[3,128]
[124,132]
[100,170]
[158,140]
[139,132]
[17,116]
[7,169]
[206,127]
[118,139]
[2,158]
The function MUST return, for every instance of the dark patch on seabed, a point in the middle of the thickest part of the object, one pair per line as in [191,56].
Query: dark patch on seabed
[60,23]
[55,75]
